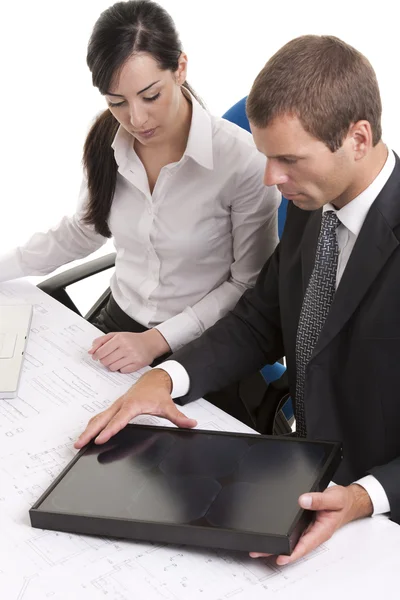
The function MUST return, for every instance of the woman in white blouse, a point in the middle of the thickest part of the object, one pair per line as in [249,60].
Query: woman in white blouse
[180,191]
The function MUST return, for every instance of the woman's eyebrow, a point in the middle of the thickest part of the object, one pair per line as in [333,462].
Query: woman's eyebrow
[149,86]
[137,93]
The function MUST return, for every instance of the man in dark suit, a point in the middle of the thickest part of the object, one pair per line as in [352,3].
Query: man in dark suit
[329,297]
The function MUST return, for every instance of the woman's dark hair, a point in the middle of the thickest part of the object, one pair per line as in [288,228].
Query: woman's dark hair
[122,30]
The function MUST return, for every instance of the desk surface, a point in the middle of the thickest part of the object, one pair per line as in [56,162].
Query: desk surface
[61,388]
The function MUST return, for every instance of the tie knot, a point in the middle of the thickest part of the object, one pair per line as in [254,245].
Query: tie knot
[329,220]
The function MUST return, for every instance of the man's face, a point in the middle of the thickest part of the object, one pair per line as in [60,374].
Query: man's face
[303,168]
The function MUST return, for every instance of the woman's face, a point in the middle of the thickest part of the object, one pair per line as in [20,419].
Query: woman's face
[146,100]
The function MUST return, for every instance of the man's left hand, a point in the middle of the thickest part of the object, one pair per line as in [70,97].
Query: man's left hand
[334,507]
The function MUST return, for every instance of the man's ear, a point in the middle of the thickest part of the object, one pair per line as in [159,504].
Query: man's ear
[361,137]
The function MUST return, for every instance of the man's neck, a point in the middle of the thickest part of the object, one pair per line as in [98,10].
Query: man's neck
[369,170]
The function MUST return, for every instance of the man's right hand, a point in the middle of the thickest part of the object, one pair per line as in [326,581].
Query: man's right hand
[150,395]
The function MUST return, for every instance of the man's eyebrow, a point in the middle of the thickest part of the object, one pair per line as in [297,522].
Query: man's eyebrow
[137,93]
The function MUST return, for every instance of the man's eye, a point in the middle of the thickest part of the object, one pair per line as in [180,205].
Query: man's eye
[289,161]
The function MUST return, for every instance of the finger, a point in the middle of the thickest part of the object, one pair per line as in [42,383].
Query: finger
[98,342]
[123,362]
[118,422]
[317,534]
[113,357]
[97,424]
[172,413]
[263,554]
[106,348]
[130,368]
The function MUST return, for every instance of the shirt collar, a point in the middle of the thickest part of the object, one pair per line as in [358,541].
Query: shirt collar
[353,214]
[199,145]
[122,144]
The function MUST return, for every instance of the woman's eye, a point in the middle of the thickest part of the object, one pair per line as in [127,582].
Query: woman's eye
[113,104]
[152,98]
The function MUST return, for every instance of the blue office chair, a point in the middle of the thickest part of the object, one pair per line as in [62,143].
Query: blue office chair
[237,114]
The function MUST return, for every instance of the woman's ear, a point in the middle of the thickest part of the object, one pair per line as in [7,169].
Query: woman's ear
[181,72]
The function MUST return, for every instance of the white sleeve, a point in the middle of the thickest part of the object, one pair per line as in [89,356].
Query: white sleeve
[377,494]
[179,377]
[44,252]
[255,235]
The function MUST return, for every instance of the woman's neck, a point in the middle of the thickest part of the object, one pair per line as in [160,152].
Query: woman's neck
[174,146]
[179,137]
[171,151]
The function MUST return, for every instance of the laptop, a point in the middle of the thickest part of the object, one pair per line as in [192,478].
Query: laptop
[15,321]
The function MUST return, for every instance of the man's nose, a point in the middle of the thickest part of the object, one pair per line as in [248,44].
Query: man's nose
[274,173]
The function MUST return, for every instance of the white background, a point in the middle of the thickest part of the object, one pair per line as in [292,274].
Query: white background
[47,99]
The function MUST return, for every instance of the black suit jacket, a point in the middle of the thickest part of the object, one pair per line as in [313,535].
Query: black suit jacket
[353,377]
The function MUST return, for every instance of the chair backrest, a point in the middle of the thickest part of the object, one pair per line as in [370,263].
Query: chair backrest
[237,114]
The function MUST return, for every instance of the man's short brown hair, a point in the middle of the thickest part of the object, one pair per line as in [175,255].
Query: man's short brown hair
[324,82]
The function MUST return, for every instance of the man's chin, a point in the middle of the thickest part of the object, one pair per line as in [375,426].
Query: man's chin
[304,203]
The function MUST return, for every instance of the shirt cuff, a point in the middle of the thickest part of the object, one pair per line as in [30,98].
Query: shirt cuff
[180,329]
[10,266]
[376,493]
[179,377]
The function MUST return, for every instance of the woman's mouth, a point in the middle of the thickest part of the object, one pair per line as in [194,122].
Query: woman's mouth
[146,133]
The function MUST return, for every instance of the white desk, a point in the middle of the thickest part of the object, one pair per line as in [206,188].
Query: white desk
[61,388]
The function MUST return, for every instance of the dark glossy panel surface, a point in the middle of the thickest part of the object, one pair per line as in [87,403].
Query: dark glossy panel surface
[205,456]
[247,483]
[268,482]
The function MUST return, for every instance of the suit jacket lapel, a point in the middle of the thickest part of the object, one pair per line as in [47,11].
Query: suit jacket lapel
[375,244]
[309,246]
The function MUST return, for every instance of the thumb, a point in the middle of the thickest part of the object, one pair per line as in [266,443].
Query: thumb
[330,499]
[178,418]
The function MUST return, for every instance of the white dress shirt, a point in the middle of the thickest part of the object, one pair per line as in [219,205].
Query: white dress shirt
[351,217]
[185,252]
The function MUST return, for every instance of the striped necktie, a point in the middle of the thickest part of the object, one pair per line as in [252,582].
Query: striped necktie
[316,304]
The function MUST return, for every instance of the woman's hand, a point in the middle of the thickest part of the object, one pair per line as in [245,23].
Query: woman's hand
[128,352]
